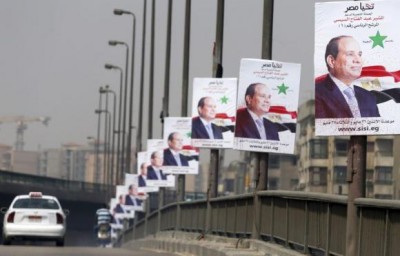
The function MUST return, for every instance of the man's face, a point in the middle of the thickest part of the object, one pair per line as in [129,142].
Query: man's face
[143,170]
[176,143]
[133,191]
[261,100]
[158,160]
[348,63]
[208,111]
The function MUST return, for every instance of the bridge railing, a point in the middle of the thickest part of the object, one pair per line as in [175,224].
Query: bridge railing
[311,223]
[23,183]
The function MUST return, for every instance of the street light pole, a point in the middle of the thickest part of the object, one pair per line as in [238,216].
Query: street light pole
[140,122]
[99,111]
[120,154]
[128,154]
[108,90]
[114,43]
[97,179]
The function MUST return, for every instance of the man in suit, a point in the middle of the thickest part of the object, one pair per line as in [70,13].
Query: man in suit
[143,175]
[172,155]
[250,122]
[202,126]
[336,96]
[131,198]
[154,171]
[119,208]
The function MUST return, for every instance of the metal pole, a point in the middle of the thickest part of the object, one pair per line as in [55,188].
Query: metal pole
[151,71]
[356,169]
[185,86]
[212,190]
[97,178]
[129,146]
[139,131]
[217,71]
[113,138]
[119,154]
[105,141]
[166,96]
[261,172]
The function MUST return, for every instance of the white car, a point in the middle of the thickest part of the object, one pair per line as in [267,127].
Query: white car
[34,217]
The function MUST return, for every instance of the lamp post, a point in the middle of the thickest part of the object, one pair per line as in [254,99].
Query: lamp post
[128,153]
[107,113]
[120,159]
[115,43]
[108,90]
[139,131]
[97,178]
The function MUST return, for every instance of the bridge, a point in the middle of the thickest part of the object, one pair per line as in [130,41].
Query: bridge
[310,223]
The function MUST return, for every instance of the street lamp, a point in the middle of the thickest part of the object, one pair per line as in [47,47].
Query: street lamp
[97,178]
[115,43]
[107,113]
[120,159]
[128,154]
[108,90]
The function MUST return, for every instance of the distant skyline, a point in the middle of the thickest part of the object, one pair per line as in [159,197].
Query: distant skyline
[53,54]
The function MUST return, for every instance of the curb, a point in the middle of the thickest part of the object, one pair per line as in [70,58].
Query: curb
[194,244]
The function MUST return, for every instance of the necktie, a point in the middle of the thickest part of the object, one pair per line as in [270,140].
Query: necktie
[178,159]
[260,127]
[352,102]
[209,131]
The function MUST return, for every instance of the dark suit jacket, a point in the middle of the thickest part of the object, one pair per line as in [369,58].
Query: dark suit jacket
[330,102]
[119,209]
[246,128]
[169,159]
[142,181]
[151,174]
[129,201]
[200,132]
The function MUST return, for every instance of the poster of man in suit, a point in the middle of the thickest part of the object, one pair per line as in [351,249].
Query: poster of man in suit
[155,160]
[267,106]
[180,157]
[213,112]
[142,164]
[357,68]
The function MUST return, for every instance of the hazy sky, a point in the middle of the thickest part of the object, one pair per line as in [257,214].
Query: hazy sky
[52,56]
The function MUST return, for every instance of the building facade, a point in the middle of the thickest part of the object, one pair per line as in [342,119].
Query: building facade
[322,161]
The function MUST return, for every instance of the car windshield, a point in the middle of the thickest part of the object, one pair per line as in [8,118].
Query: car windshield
[36,203]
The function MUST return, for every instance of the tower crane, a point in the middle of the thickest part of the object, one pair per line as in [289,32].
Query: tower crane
[21,122]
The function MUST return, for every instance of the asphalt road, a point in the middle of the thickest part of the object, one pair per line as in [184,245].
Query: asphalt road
[50,250]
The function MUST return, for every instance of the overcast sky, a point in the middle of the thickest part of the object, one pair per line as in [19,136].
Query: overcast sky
[52,56]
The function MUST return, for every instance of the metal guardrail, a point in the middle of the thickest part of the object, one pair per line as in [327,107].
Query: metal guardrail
[311,223]
[26,180]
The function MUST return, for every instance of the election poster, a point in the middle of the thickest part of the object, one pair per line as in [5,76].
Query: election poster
[213,112]
[267,106]
[357,68]
[155,160]
[180,157]
[142,164]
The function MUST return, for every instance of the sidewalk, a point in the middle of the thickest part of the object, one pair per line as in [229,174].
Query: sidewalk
[193,244]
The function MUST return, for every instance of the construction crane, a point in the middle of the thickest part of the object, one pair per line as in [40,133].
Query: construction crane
[21,122]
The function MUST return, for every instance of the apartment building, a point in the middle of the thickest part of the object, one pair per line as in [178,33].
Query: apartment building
[322,161]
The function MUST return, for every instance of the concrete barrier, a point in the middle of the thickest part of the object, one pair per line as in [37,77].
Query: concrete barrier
[194,244]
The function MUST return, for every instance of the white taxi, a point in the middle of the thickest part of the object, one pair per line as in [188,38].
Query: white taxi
[34,217]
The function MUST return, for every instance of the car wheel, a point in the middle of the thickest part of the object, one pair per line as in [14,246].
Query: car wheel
[60,242]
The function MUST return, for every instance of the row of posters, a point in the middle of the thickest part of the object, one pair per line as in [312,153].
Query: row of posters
[357,92]
[256,113]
